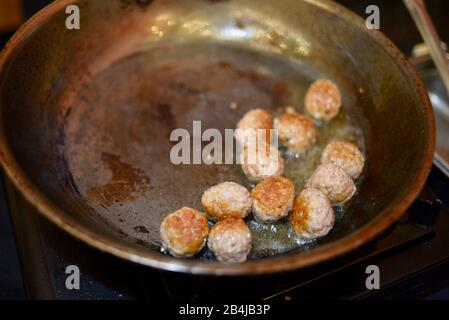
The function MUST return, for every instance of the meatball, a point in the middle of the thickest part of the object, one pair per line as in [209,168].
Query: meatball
[273,199]
[296,131]
[334,182]
[184,232]
[312,216]
[227,199]
[259,165]
[345,155]
[254,119]
[230,240]
[323,100]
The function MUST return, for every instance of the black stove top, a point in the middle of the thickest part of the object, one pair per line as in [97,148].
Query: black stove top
[412,256]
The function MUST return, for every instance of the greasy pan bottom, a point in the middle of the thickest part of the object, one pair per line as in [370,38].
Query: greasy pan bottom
[117,134]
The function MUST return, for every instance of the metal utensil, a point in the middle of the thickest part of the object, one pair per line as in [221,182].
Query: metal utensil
[420,15]
[434,83]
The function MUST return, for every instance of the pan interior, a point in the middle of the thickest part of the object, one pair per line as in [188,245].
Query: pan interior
[117,132]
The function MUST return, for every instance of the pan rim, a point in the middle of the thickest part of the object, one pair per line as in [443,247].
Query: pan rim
[149,258]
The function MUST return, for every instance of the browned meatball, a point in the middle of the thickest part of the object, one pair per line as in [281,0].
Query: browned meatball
[312,216]
[254,119]
[258,165]
[345,155]
[184,232]
[227,199]
[297,131]
[334,182]
[273,199]
[323,100]
[230,240]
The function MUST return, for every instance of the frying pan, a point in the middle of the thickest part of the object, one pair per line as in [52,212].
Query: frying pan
[86,115]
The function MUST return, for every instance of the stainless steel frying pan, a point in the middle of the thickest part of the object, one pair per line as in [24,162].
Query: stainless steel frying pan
[86,116]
